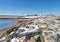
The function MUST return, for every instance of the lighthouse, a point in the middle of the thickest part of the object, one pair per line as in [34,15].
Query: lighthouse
[40,13]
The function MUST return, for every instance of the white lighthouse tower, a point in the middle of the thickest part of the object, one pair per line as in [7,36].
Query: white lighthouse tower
[41,14]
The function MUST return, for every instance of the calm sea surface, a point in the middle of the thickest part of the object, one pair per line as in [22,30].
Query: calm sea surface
[5,24]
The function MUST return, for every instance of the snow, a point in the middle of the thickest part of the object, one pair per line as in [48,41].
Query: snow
[57,21]
[35,26]
[55,35]
[11,33]
[41,20]
[49,31]
[14,40]
[3,39]
[43,26]
[51,27]
[30,31]
[31,16]
[33,30]
[24,28]
[0,39]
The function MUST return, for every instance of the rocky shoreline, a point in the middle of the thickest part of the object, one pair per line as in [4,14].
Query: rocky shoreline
[34,29]
[20,23]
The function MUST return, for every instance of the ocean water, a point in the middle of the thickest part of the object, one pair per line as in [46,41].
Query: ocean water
[5,24]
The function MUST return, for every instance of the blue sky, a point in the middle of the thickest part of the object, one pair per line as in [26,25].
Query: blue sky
[25,7]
